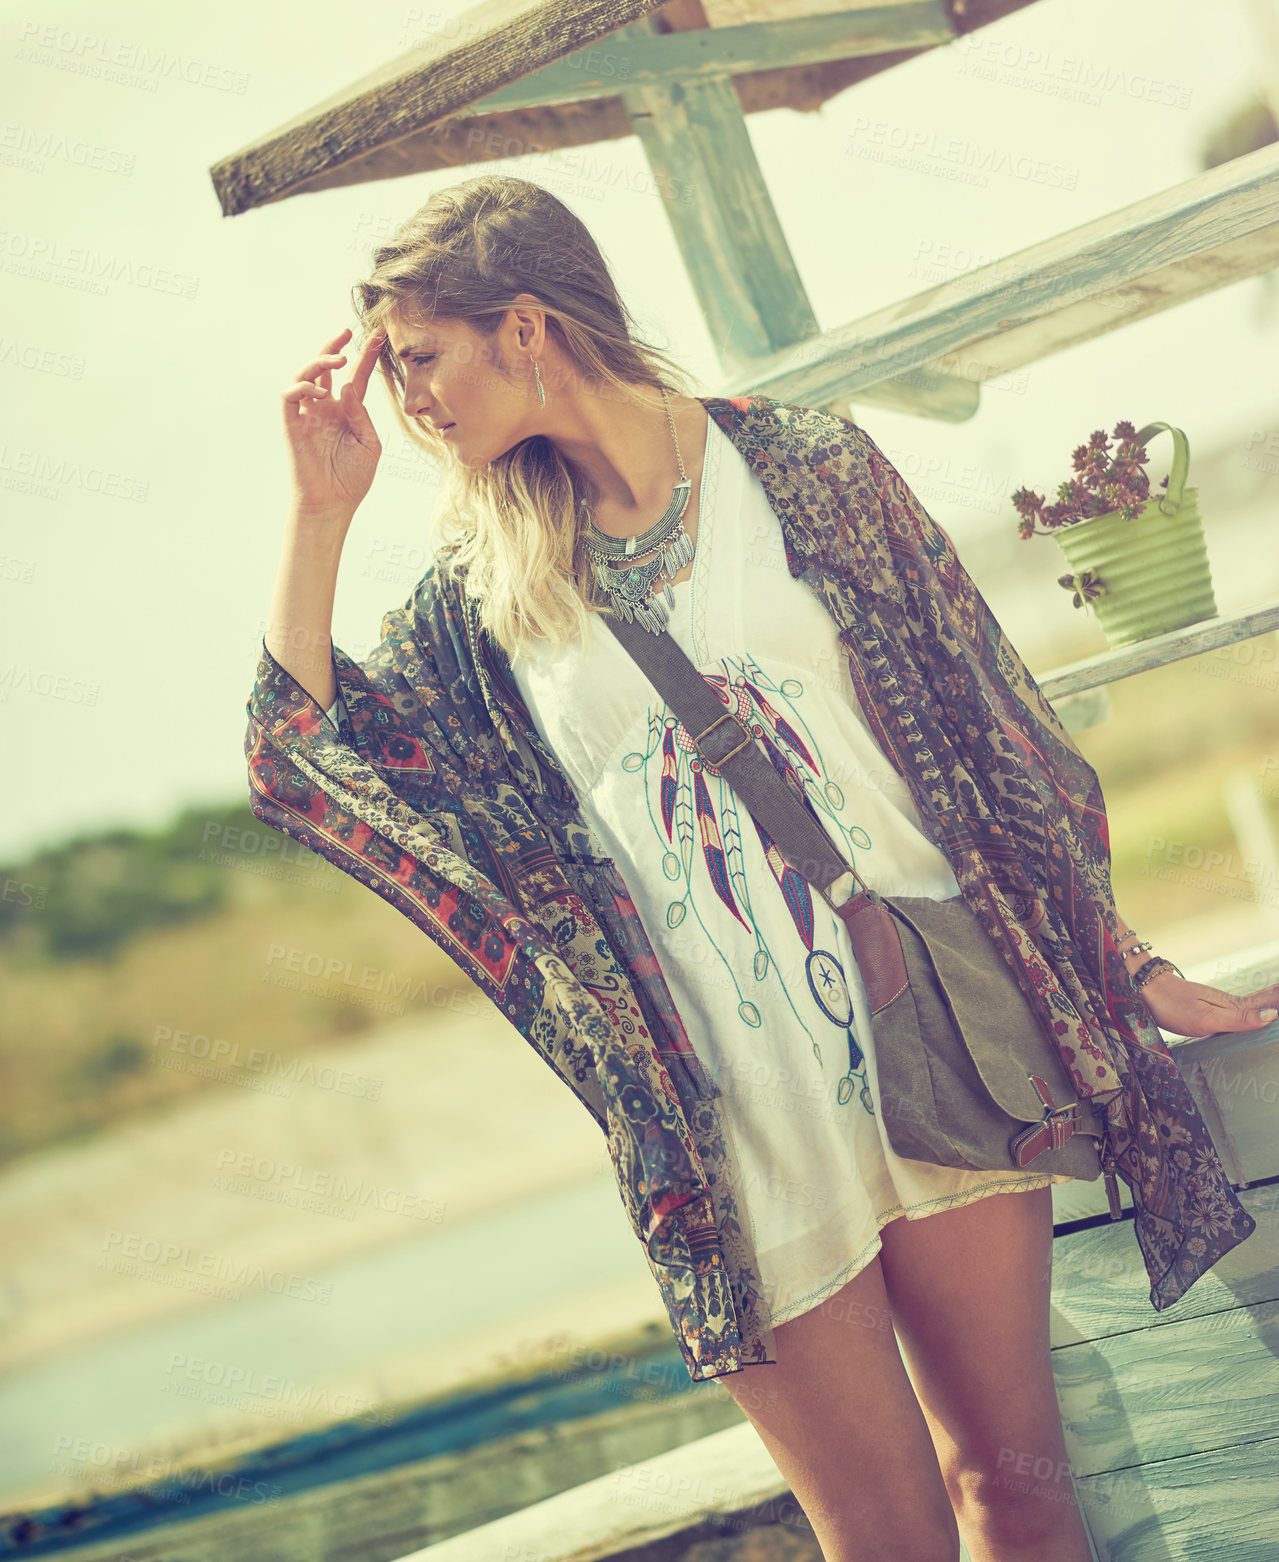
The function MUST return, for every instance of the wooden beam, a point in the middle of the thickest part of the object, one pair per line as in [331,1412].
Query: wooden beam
[723,1485]
[1193,238]
[659,58]
[732,243]
[921,393]
[752,298]
[420,111]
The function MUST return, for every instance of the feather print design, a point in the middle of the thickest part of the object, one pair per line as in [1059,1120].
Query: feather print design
[712,846]
[684,828]
[795,888]
[733,852]
[789,753]
[781,726]
[669,780]
[787,733]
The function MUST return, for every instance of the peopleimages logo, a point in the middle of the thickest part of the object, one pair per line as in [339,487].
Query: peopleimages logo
[114,59]
[183,1267]
[111,1465]
[171,1047]
[334,977]
[310,1187]
[41,467]
[47,259]
[57,686]
[23,146]
[950,156]
[41,360]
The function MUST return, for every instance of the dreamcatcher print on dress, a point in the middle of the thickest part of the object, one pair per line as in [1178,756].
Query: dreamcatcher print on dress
[695,804]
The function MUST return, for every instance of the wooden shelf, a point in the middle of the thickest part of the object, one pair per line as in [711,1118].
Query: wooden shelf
[1194,640]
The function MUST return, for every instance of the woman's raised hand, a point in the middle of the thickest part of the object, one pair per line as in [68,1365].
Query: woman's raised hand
[333,446]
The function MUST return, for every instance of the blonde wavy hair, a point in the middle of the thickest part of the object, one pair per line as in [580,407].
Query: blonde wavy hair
[512,524]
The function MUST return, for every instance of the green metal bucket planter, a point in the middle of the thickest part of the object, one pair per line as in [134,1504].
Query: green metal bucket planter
[1153,570]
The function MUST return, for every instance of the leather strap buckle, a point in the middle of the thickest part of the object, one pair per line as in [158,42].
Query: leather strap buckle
[1062,1123]
[1058,1125]
[747,739]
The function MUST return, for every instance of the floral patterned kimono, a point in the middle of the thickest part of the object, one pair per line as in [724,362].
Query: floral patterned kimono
[439,794]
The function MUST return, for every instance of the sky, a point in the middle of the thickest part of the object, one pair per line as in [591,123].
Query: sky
[134,584]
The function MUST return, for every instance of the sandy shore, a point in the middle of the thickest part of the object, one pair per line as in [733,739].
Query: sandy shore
[466,1118]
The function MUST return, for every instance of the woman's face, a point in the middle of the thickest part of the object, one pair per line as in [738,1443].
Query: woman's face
[450,378]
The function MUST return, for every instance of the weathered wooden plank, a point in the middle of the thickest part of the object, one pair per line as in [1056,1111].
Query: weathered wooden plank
[1089,708]
[725,1483]
[1123,662]
[493,44]
[1210,1507]
[1243,1089]
[1195,237]
[1170,1390]
[1210,1110]
[949,398]
[1079,1200]
[419,112]
[1100,1287]
[684,58]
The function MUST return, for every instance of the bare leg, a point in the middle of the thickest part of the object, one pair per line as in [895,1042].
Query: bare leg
[970,1289]
[839,1416]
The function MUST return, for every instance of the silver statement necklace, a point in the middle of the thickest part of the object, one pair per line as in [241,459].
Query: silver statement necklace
[628,584]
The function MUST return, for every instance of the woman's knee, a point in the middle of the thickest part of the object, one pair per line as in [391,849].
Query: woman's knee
[1017,1498]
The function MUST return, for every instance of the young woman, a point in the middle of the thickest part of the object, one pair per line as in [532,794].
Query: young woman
[502,772]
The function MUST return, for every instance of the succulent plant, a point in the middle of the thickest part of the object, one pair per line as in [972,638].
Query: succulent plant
[1106,482]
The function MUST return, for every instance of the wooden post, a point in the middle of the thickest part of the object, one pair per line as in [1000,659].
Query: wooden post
[694,135]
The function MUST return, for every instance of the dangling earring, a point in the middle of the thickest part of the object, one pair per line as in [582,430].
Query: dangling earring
[541,394]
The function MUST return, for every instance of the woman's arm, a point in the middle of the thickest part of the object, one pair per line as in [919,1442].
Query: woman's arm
[1132,962]
[333,454]
[299,634]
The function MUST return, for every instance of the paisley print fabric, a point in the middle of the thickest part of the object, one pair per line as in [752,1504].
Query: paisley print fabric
[438,793]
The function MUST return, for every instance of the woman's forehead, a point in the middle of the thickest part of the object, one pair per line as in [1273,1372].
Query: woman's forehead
[412,325]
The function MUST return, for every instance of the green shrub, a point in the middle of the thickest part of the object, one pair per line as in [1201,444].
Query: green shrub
[92,895]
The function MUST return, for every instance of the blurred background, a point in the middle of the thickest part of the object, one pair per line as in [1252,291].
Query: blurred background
[241,1138]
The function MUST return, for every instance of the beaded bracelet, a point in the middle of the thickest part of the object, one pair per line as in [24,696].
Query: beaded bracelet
[1136,949]
[1152,968]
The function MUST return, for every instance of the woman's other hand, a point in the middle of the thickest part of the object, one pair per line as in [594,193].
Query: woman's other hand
[1193,1009]
[333,446]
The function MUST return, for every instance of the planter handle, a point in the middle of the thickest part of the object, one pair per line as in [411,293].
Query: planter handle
[1170,502]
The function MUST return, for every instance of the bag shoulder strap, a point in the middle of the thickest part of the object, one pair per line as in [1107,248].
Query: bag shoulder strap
[728,747]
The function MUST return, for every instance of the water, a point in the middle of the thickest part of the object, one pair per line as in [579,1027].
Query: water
[89,1411]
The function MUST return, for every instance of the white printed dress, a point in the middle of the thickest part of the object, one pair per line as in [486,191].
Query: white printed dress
[760,968]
